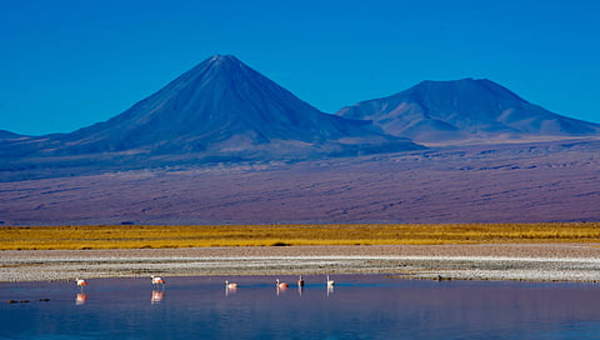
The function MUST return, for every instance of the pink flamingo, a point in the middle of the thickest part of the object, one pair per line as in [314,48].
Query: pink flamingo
[280,284]
[230,285]
[81,283]
[230,288]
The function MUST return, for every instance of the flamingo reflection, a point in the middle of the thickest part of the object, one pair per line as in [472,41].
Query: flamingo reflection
[230,290]
[330,290]
[81,299]
[157,296]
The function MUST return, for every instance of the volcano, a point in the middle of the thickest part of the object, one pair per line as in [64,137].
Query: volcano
[434,111]
[221,109]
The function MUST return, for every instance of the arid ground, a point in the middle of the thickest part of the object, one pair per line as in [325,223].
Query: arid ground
[529,182]
[540,252]
[535,262]
[511,183]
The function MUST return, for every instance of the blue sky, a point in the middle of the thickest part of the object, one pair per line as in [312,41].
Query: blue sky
[68,64]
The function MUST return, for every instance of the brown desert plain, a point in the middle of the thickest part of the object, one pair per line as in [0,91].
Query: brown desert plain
[507,183]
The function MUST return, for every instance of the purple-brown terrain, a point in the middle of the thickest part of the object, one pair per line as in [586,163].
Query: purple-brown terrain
[222,144]
[558,181]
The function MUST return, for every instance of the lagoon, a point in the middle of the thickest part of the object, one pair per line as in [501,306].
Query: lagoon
[359,307]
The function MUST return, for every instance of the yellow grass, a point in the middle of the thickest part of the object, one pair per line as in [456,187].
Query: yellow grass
[131,236]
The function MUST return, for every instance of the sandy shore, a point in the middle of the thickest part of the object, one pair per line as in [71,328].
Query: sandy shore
[536,262]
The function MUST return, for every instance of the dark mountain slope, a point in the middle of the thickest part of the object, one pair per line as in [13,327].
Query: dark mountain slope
[4,134]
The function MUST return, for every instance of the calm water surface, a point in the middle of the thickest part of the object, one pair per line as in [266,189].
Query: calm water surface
[360,307]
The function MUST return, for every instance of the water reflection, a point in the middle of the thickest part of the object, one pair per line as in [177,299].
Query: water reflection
[157,296]
[280,289]
[81,299]
[300,290]
[420,310]
[230,290]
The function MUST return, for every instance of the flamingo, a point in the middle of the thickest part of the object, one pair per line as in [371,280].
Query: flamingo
[230,285]
[157,280]
[230,288]
[300,281]
[81,283]
[330,283]
[280,284]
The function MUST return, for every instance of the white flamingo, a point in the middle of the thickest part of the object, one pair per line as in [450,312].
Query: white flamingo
[230,288]
[330,283]
[300,281]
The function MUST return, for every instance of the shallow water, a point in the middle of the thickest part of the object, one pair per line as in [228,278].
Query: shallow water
[360,307]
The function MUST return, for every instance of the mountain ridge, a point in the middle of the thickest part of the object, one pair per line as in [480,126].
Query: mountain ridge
[219,109]
[461,109]
[5,134]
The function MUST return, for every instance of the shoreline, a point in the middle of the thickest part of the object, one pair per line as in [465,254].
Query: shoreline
[521,262]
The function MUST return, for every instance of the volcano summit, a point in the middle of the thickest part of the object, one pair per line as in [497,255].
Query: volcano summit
[222,106]
[219,110]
